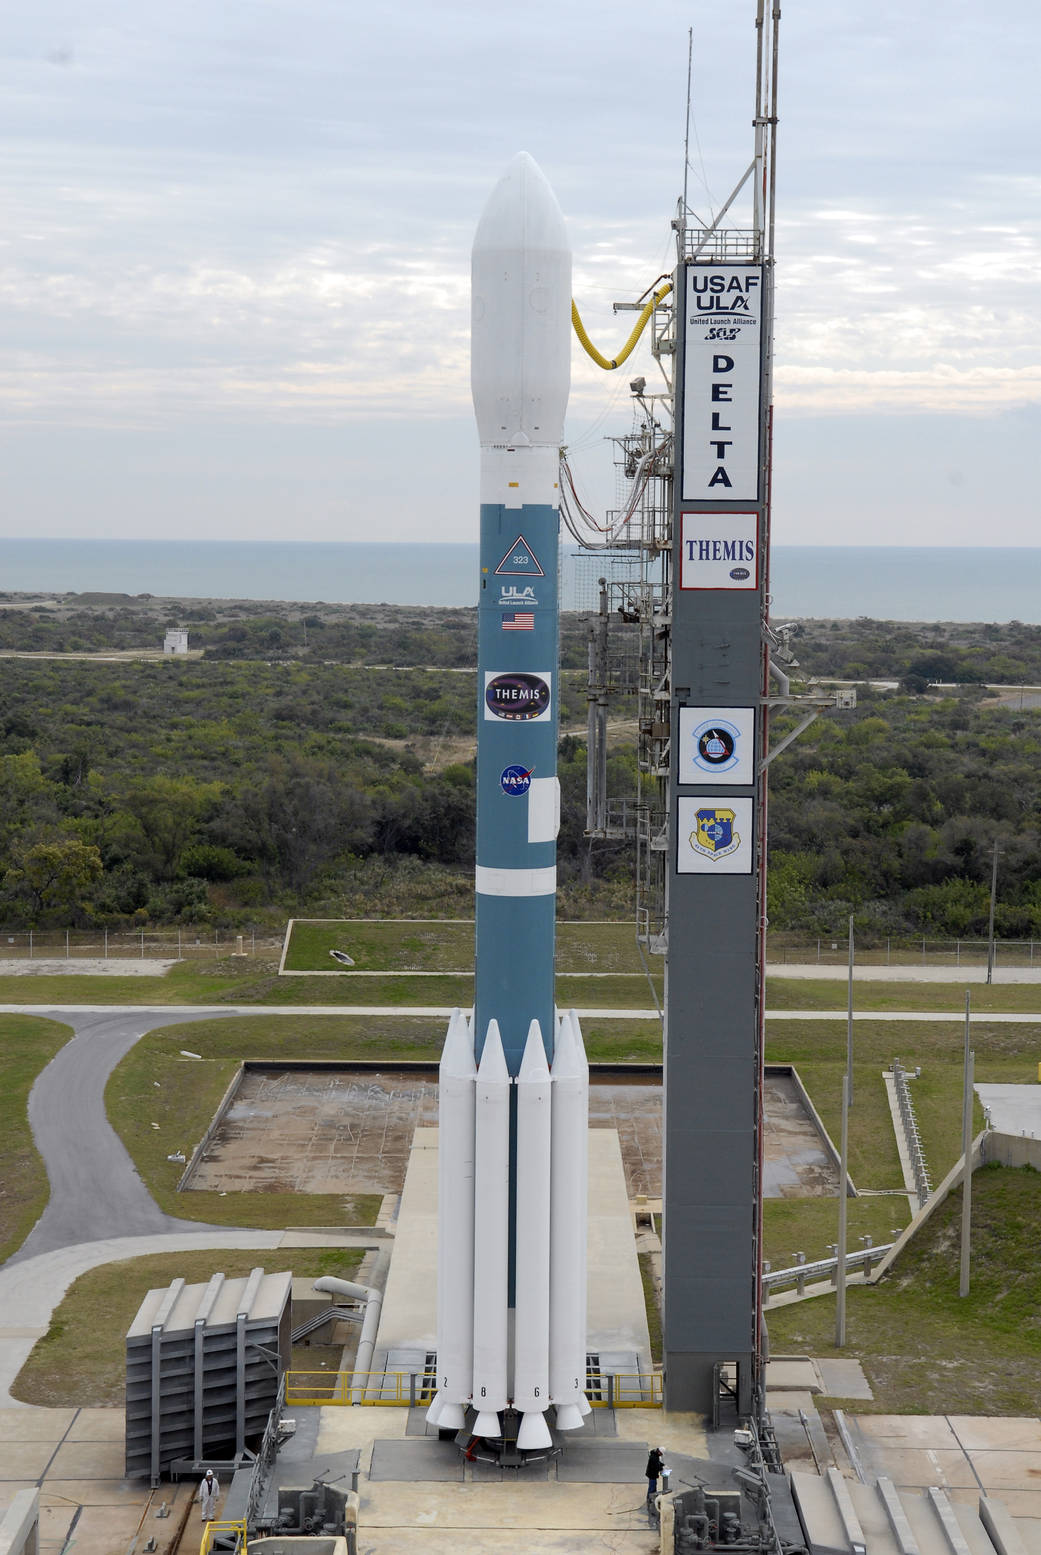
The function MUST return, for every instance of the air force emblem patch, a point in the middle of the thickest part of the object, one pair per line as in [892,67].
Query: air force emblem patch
[714,836]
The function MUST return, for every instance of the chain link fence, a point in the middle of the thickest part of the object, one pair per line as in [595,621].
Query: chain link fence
[188,943]
[157,944]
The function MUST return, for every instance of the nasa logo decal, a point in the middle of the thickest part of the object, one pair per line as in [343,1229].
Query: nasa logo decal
[515,779]
[520,696]
[715,746]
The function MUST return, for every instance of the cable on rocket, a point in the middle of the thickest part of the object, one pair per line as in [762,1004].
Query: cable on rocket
[573,511]
[609,363]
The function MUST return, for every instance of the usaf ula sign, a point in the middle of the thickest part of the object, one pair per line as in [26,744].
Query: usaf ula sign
[721,382]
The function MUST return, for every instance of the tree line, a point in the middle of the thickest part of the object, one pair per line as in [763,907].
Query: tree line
[916,653]
[891,813]
[225,792]
[235,791]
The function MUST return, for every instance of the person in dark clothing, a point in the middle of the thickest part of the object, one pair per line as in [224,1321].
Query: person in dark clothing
[655,1462]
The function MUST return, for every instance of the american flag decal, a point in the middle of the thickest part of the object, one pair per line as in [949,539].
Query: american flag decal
[519,621]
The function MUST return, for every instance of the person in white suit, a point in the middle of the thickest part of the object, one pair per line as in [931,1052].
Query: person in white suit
[207,1495]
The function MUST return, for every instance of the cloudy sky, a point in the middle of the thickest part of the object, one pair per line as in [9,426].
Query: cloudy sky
[234,253]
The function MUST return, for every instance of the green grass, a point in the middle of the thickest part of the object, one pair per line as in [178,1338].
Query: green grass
[81,1360]
[621,1041]
[924,1349]
[995,1365]
[794,993]
[382,946]
[1004,1055]
[27,1045]
[793,1226]
[435,947]
[623,992]
[650,1301]
[254,981]
[397,992]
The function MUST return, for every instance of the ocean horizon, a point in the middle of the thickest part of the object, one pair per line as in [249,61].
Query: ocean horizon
[896,583]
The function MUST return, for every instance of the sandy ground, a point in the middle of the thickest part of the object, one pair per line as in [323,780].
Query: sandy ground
[89,966]
[322,1131]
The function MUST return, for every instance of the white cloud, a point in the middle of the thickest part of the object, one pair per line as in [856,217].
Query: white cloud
[878,306]
[260,214]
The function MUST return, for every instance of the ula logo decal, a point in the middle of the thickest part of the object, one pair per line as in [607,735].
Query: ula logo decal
[510,594]
[515,780]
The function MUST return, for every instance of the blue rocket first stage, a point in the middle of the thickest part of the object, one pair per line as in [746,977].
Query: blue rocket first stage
[513,1104]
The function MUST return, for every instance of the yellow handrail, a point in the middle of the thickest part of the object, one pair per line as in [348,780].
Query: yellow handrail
[358,1387]
[235,1525]
[609,363]
[394,1389]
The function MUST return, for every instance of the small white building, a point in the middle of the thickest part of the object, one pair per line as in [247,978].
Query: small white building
[175,641]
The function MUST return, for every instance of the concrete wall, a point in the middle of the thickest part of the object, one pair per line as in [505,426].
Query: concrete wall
[218,1118]
[20,1527]
[815,1118]
[1011,1150]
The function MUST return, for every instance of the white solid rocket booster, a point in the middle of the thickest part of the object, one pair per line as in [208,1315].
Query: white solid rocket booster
[548,1363]
[531,1325]
[491,1236]
[568,1199]
[457,1077]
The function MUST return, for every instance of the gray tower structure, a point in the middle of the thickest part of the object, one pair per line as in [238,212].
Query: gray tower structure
[715,879]
[696,526]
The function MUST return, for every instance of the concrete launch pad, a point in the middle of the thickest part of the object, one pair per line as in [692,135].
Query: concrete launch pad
[342,1130]
[962,1454]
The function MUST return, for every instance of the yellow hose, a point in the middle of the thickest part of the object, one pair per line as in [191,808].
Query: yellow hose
[607,363]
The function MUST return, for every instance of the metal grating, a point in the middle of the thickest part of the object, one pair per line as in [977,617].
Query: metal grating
[203,1368]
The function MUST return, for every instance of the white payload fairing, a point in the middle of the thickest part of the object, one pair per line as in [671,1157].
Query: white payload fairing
[514,1080]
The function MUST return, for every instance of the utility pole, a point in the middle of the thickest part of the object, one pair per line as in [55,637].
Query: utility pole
[993,898]
[966,1147]
[849,1017]
[840,1251]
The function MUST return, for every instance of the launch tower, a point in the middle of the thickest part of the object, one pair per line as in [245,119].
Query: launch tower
[708,666]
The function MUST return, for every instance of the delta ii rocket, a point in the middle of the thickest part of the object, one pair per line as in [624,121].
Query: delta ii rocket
[514,1082]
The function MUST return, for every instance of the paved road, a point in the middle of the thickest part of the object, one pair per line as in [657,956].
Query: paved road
[95,1188]
[99,1208]
[957,1016]
[31,1288]
[166,1014]
[163,1014]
